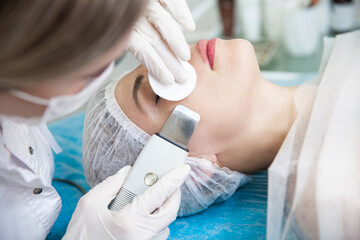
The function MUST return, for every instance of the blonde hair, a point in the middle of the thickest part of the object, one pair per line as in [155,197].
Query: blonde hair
[43,39]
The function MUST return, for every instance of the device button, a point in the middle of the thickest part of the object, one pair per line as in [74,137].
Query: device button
[150,179]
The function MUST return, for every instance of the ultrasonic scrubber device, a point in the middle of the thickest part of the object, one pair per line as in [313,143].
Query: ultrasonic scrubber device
[163,152]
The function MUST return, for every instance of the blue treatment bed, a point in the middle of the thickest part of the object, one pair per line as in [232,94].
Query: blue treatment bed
[243,216]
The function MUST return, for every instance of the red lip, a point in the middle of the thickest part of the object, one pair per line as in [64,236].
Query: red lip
[207,49]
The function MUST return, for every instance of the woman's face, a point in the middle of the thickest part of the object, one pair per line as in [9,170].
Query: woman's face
[222,96]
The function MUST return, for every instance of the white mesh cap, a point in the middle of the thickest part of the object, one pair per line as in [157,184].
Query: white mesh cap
[111,141]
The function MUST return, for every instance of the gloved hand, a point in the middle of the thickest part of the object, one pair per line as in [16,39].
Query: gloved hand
[157,40]
[148,215]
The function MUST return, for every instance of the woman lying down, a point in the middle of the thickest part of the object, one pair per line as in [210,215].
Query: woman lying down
[313,130]
[244,120]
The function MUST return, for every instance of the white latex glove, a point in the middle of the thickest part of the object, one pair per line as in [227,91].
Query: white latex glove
[147,216]
[158,42]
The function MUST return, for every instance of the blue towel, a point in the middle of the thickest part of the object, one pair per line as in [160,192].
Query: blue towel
[242,216]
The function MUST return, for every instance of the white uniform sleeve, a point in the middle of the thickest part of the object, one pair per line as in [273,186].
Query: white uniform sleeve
[29,205]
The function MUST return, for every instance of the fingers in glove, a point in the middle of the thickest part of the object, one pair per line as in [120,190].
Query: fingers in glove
[156,195]
[142,50]
[168,211]
[170,206]
[181,12]
[150,35]
[112,184]
[173,63]
[169,30]
[105,191]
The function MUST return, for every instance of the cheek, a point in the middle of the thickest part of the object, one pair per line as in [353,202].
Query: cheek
[212,133]
[222,106]
[201,142]
[216,117]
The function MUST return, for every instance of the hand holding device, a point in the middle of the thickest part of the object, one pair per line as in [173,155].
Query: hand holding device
[147,216]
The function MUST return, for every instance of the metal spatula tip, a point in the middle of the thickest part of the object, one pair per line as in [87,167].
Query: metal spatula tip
[180,126]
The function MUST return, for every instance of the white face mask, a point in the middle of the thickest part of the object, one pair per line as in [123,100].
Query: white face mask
[60,106]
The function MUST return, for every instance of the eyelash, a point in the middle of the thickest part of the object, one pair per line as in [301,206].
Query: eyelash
[157,98]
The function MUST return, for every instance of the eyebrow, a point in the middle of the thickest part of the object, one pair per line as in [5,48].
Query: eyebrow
[136,88]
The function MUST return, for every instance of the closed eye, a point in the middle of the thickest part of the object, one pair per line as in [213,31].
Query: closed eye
[136,88]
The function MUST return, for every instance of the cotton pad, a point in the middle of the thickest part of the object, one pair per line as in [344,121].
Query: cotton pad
[176,91]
